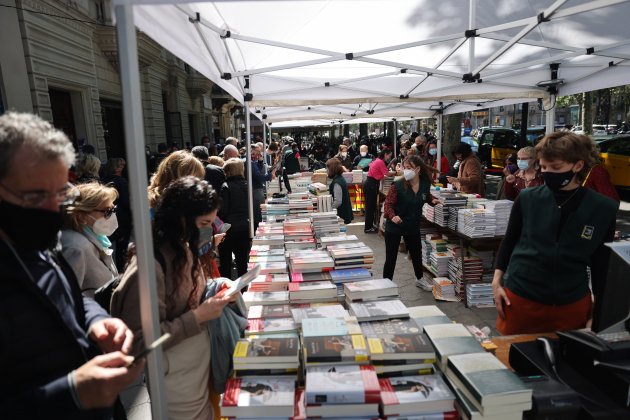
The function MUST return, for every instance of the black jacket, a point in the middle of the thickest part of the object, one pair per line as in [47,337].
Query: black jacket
[215,177]
[234,204]
[37,348]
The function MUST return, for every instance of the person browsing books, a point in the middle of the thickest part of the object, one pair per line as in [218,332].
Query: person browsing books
[554,232]
[339,190]
[528,174]
[378,170]
[470,173]
[185,213]
[403,209]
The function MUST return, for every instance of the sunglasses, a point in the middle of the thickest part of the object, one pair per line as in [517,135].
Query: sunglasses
[107,213]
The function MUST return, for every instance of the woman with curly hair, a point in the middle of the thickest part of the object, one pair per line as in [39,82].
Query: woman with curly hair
[184,213]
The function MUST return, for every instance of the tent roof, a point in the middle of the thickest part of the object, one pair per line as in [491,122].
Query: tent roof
[411,53]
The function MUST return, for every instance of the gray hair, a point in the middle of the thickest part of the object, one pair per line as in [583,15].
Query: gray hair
[230,148]
[38,136]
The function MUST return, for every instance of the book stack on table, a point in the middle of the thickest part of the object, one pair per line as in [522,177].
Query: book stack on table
[269,282]
[439,263]
[326,241]
[501,210]
[275,207]
[451,339]
[318,188]
[476,223]
[379,310]
[326,224]
[312,291]
[428,212]
[332,342]
[487,386]
[353,255]
[370,290]
[470,270]
[301,207]
[309,261]
[444,289]
[480,295]
[357,176]
[255,397]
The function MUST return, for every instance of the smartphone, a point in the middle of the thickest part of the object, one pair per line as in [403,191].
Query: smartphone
[143,353]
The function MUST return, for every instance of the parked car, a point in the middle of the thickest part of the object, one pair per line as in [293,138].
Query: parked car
[611,129]
[615,155]
[534,133]
[599,130]
[495,144]
[577,129]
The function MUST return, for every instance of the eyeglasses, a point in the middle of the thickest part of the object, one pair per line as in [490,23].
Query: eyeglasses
[107,213]
[67,195]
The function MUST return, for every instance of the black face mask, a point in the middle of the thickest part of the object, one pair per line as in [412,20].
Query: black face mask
[556,180]
[30,228]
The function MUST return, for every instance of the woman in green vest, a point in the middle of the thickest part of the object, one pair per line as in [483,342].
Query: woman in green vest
[555,232]
[339,190]
[403,210]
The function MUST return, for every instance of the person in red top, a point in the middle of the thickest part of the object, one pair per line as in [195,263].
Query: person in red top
[598,178]
[528,174]
[432,162]
[378,170]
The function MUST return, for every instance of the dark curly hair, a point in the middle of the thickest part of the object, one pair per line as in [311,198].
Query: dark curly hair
[174,225]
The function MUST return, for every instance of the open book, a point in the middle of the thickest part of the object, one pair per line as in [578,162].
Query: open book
[244,280]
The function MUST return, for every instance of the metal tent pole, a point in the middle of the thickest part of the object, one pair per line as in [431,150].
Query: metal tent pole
[550,113]
[136,164]
[472,16]
[248,162]
[264,150]
[395,135]
[439,141]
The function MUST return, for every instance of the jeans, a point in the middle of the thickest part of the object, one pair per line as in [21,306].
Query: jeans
[414,246]
[370,191]
[237,243]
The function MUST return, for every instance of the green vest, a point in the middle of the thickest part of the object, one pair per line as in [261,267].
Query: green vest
[549,268]
[345,209]
[409,208]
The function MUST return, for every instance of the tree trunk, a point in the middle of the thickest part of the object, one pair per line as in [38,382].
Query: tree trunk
[452,135]
[587,112]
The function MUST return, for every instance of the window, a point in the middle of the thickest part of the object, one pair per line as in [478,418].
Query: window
[620,146]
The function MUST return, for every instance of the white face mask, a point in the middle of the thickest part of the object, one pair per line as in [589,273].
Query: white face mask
[409,174]
[105,226]
[363,154]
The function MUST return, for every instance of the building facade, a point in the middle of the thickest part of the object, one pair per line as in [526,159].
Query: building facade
[59,59]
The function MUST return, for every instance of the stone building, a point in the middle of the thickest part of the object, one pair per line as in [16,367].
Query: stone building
[59,59]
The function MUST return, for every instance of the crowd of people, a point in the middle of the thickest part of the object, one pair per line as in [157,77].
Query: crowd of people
[64,244]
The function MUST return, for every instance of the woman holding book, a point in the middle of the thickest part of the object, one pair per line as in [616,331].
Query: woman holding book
[184,213]
[555,231]
[403,209]
[339,190]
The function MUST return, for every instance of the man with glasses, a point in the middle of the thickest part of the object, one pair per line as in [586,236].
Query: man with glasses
[61,355]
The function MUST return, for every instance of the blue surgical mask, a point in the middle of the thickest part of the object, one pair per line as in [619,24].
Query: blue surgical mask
[433,152]
[101,239]
[522,164]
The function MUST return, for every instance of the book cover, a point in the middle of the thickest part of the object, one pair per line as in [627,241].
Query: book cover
[323,311]
[379,310]
[335,349]
[273,396]
[339,276]
[320,327]
[415,395]
[400,346]
[451,339]
[488,380]
[349,384]
[272,325]
[390,326]
[270,349]
[269,311]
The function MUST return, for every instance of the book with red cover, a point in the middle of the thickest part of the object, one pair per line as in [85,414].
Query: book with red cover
[259,396]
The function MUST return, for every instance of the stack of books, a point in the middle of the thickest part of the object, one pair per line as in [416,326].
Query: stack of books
[444,289]
[440,215]
[259,397]
[416,395]
[265,353]
[351,256]
[301,207]
[320,177]
[474,202]
[480,295]
[324,203]
[277,267]
[310,261]
[376,289]
[340,239]
[271,240]
[428,212]
[325,224]
[476,223]
[315,310]
[489,386]
[357,176]
[312,291]
[269,283]
[265,298]
[347,176]
[453,214]
[379,310]
[318,188]
[439,263]
[386,183]
[269,311]
[462,272]
[485,255]
[265,326]
[501,210]
[297,229]
[451,339]
[333,341]
[428,315]
[275,207]
[427,245]
[342,391]
[269,228]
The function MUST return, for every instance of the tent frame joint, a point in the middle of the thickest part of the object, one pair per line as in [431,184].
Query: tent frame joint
[226,76]
[349,56]
[542,18]
[470,33]
[590,50]
[403,71]
[197,18]
[470,78]
[248,97]
[226,34]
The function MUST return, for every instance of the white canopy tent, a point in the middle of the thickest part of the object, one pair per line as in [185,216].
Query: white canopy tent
[389,56]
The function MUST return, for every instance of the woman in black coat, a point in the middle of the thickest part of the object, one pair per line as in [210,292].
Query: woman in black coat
[234,211]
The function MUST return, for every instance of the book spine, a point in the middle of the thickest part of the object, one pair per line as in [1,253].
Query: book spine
[255,325]
[232,392]
[370,384]
[388,394]
[474,392]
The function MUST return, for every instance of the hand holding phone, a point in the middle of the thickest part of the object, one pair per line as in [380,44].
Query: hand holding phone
[143,353]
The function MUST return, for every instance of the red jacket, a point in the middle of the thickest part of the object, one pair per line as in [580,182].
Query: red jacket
[598,179]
